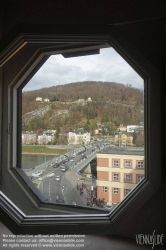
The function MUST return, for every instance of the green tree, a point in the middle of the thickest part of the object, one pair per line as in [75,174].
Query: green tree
[86,127]
[57,133]
[138,138]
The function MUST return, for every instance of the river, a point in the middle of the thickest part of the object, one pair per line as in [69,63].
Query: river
[31,161]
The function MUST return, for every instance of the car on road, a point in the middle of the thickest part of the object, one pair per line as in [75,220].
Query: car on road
[57,178]
[64,168]
[37,174]
[73,156]
[72,160]
[50,175]
[56,165]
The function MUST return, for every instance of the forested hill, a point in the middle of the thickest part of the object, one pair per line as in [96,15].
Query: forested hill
[112,103]
[82,90]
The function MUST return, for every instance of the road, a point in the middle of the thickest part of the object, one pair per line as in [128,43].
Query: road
[62,189]
[70,193]
[51,188]
[65,189]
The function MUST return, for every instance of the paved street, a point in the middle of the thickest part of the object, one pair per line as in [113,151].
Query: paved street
[67,188]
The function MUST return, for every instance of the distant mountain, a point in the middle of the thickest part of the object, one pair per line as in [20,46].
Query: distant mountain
[82,90]
[112,103]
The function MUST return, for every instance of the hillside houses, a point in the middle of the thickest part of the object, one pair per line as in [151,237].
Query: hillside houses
[40,99]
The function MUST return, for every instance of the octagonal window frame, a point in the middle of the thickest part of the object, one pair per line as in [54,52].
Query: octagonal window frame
[45,45]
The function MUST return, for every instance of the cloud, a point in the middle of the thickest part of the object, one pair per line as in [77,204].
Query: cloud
[107,66]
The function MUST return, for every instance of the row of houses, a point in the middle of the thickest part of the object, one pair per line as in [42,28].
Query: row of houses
[118,172]
[40,99]
[31,138]
[77,137]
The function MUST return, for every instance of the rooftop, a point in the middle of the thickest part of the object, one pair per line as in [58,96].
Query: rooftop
[123,132]
[122,151]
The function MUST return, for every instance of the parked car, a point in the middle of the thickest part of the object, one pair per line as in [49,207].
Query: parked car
[57,178]
[37,174]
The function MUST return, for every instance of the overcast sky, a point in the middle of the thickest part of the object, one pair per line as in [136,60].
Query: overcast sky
[106,66]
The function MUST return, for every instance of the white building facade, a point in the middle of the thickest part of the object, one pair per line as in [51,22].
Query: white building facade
[46,100]
[38,99]
[79,138]
[132,128]
[45,138]
[28,138]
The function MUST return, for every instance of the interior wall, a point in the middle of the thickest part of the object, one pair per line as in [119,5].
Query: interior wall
[97,12]
[141,22]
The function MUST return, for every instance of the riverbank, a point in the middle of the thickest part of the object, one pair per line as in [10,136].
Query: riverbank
[40,149]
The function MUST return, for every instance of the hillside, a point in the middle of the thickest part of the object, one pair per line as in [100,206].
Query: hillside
[112,104]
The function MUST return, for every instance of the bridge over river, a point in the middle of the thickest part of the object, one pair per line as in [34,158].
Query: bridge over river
[80,161]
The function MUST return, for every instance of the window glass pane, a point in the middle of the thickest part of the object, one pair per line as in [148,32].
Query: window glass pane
[82,117]
[116,177]
[127,191]
[127,164]
[140,164]
[116,190]
[139,178]
[128,178]
[115,163]
[104,189]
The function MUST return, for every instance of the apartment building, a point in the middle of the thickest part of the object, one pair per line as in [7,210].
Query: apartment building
[28,138]
[123,138]
[118,172]
[79,137]
[45,138]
